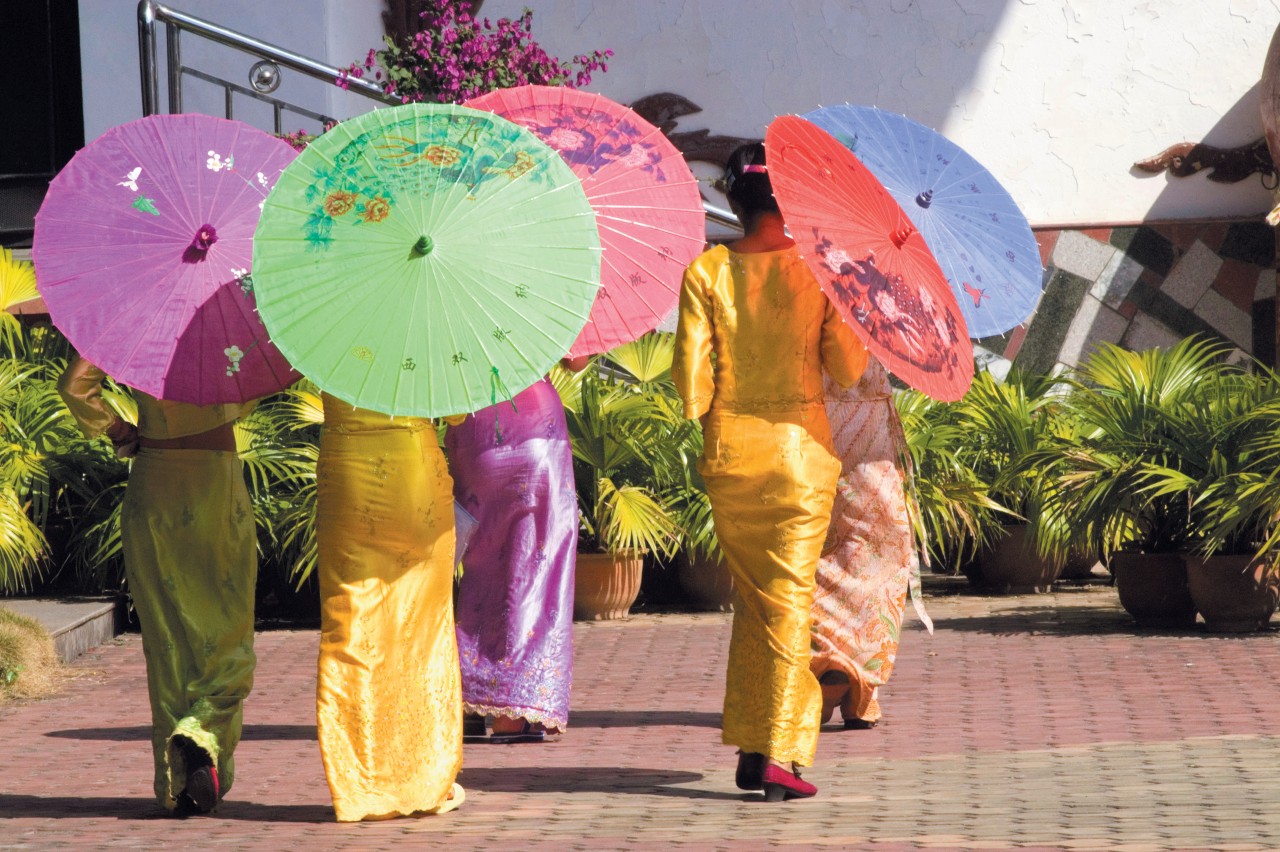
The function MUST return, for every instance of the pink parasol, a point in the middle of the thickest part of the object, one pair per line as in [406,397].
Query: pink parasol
[142,251]
[645,198]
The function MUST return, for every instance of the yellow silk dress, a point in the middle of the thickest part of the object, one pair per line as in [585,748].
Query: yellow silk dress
[389,694]
[754,336]
[191,561]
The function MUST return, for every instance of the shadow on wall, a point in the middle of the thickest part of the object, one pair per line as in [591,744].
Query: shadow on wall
[745,61]
[1161,281]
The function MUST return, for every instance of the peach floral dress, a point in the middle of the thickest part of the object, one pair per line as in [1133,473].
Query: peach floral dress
[870,558]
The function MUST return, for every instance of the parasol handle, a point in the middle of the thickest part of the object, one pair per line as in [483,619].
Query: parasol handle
[423,246]
[901,235]
[206,236]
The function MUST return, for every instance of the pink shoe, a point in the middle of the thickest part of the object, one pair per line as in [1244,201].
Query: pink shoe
[779,784]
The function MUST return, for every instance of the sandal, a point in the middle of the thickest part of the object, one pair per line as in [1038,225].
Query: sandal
[527,733]
[452,802]
[835,692]
[854,722]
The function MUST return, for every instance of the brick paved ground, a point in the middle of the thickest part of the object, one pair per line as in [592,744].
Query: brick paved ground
[1041,722]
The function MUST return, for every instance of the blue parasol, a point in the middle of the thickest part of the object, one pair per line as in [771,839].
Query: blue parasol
[969,221]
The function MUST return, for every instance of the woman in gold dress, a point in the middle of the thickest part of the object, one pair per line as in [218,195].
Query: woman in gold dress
[389,695]
[754,336]
[190,557]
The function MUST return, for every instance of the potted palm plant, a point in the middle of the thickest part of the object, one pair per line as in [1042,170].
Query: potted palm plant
[949,505]
[699,564]
[279,446]
[628,441]
[1234,505]
[1127,486]
[1007,427]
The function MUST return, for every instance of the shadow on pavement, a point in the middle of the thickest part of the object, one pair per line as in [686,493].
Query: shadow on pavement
[143,733]
[1058,620]
[642,719]
[122,808]
[577,779]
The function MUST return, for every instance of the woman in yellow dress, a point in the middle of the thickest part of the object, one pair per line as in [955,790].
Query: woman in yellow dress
[190,557]
[754,336]
[389,694]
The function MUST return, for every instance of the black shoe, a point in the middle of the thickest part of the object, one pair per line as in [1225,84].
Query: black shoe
[203,790]
[473,728]
[856,724]
[750,774]
[184,807]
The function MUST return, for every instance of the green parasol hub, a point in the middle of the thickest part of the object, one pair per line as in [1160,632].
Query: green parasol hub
[423,246]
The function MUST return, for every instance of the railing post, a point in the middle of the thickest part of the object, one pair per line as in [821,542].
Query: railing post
[174,62]
[147,57]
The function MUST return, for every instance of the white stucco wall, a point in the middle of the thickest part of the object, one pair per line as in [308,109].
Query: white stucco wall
[1057,97]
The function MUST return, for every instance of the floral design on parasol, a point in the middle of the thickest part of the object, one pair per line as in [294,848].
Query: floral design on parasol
[645,197]
[969,221]
[426,260]
[143,251]
[869,259]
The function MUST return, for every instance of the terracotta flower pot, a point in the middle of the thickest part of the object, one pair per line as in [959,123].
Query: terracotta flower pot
[1234,594]
[1011,564]
[606,585]
[1078,567]
[707,582]
[1153,589]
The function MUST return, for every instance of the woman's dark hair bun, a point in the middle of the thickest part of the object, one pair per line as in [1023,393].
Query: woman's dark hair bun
[750,189]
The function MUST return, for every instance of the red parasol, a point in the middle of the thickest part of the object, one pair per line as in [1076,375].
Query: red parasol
[645,198]
[869,259]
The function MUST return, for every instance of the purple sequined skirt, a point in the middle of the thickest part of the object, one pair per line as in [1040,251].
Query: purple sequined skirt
[512,469]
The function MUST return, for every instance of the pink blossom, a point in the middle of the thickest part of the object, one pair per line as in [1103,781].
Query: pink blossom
[455,56]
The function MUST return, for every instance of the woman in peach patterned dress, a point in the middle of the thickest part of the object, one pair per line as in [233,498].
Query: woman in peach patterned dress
[870,558]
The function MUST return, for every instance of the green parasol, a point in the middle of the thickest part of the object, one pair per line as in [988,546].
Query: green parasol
[426,259]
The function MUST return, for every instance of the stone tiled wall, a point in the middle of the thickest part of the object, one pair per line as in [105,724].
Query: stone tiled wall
[1148,286]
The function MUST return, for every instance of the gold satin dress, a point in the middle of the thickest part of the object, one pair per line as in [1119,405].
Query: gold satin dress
[754,336]
[389,695]
[191,561]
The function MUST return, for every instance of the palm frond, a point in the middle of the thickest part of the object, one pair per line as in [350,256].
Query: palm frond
[631,517]
[23,549]
[648,359]
[17,285]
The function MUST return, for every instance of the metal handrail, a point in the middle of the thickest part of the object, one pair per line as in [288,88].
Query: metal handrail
[149,12]
[720,216]
[176,21]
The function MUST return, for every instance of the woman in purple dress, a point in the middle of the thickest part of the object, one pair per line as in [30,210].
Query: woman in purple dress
[512,469]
